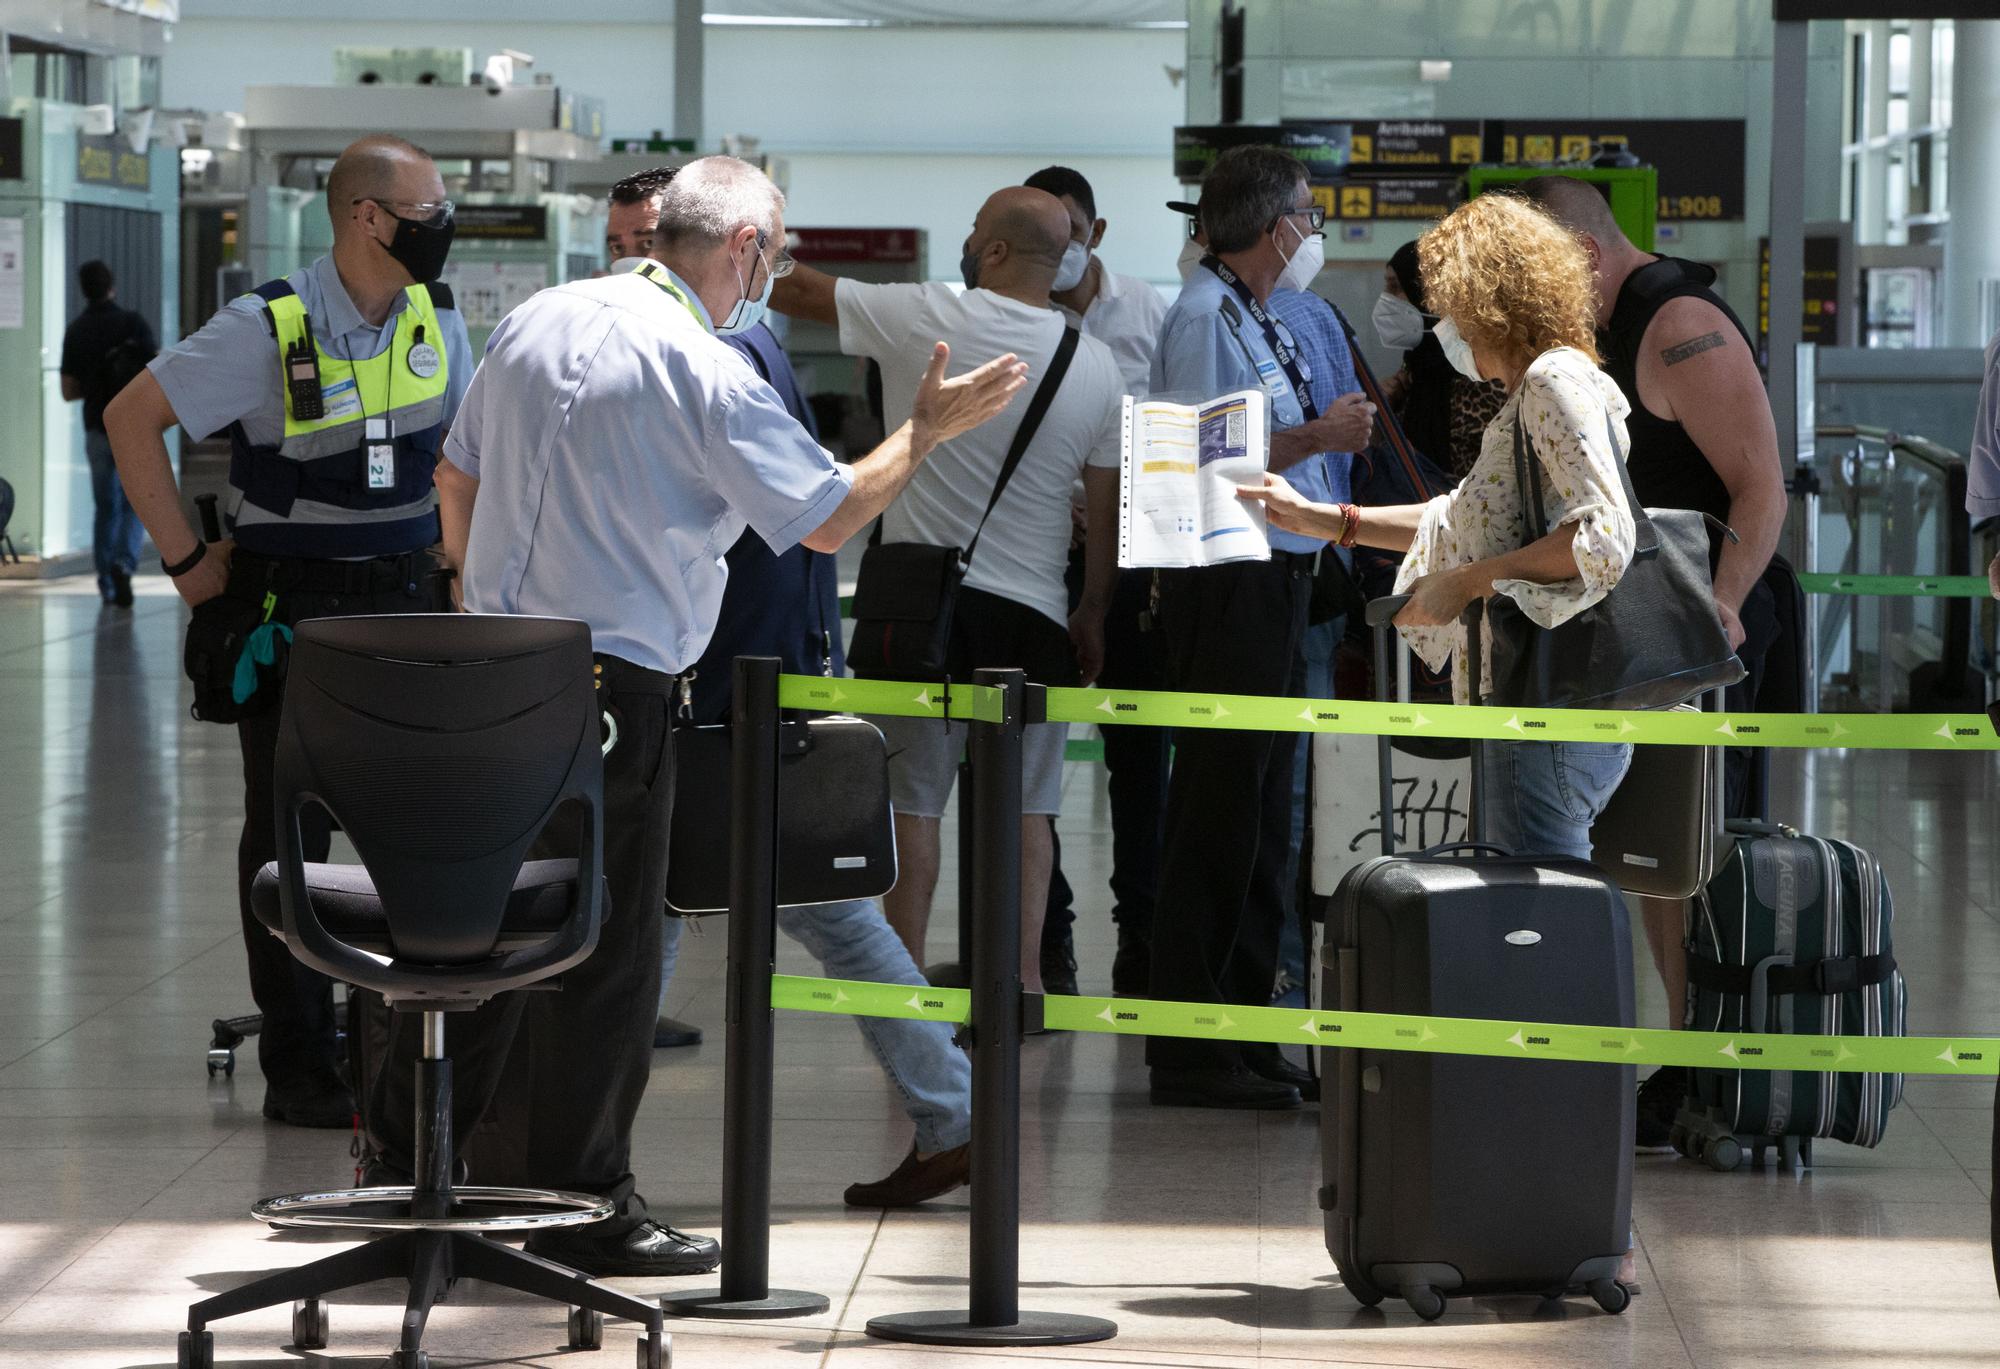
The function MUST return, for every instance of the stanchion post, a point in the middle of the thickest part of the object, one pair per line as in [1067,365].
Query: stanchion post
[748,1061]
[994,1315]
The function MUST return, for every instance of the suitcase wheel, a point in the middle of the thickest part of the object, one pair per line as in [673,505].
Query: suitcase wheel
[1723,1154]
[1425,1301]
[1611,1295]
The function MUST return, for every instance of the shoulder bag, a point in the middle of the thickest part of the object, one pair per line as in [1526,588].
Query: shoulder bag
[1654,641]
[906,591]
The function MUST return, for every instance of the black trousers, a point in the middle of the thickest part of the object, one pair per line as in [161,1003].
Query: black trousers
[1222,901]
[1135,762]
[295,1048]
[589,1043]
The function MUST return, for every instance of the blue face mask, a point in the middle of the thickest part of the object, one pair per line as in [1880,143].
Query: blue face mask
[748,312]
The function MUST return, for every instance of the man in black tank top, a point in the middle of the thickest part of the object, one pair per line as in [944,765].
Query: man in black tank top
[1702,438]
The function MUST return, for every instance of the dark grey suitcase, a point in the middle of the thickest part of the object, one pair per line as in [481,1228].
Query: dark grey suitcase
[1470,1174]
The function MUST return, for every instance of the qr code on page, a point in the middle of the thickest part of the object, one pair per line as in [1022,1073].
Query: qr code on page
[1235,436]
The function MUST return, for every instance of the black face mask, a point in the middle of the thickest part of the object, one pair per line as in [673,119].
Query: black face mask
[968,269]
[421,246]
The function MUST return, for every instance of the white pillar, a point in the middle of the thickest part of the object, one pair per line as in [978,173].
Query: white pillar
[1872,204]
[1972,246]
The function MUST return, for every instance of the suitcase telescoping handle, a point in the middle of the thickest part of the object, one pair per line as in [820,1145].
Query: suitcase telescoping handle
[1381,615]
[1475,675]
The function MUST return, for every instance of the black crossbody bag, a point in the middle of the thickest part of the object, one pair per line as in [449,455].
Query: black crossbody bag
[906,591]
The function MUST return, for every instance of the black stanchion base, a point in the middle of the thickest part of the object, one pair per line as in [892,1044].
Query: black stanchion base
[709,1304]
[948,974]
[957,1328]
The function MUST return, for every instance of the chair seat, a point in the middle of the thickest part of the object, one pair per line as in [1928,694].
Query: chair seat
[344,899]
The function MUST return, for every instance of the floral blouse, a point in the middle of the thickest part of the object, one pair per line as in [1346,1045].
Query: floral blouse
[1563,399]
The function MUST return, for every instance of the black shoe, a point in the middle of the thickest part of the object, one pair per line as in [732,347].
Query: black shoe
[1059,964]
[648,1250]
[1132,967]
[1268,1062]
[1235,1087]
[377,1172]
[121,587]
[670,1032]
[1660,1096]
[328,1108]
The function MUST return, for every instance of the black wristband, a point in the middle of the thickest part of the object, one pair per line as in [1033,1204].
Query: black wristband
[186,563]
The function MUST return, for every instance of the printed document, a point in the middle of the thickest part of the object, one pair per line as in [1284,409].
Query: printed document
[1177,503]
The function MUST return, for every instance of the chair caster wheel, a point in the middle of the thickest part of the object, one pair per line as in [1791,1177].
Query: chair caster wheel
[309,1324]
[221,1062]
[1611,1295]
[656,1351]
[586,1329]
[197,1350]
[1425,1301]
[410,1359]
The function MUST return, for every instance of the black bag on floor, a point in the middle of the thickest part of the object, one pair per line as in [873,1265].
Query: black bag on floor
[1793,935]
[1472,1174]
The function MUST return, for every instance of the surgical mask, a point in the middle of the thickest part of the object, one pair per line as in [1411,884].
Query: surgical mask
[748,312]
[1305,263]
[1457,350]
[1398,323]
[625,264]
[968,270]
[421,245]
[1076,260]
[1190,259]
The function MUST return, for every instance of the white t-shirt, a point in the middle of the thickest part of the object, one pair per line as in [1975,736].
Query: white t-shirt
[1025,548]
[1125,316]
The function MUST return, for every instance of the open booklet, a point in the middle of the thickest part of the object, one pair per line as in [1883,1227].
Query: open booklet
[1177,503]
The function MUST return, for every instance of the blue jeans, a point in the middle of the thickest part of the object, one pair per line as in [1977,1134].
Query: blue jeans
[1542,797]
[115,532]
[853,941]
[1321,641]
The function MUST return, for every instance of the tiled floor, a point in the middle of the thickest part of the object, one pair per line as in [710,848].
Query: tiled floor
[125,1175]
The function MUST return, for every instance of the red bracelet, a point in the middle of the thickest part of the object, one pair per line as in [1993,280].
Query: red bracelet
[1350,518]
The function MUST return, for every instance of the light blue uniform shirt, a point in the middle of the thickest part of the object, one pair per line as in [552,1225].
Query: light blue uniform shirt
[228,371]
[1321,340]
[1982,489]
[621,449]
[1201,356]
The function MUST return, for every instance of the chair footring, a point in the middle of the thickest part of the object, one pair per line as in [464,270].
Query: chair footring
[374,1209]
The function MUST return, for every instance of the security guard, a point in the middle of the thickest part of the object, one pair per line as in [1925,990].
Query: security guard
[335,386]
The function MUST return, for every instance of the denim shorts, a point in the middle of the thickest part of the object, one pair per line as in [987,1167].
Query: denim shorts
[1542,797]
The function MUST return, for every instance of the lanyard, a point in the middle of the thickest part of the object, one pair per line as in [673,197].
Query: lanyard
[1301,387]
[657,274]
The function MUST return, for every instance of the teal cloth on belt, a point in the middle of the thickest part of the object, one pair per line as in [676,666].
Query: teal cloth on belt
[261,648]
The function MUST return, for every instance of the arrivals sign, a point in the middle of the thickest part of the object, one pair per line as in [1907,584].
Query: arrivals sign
[1403,145]
[502,222]
[111,161]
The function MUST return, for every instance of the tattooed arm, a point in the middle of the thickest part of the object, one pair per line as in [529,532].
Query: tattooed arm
[1695,368]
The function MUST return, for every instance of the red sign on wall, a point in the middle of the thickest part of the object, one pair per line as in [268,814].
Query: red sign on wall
[854,244]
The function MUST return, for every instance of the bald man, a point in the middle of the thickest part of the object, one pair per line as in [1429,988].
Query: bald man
[332,509]
[1702,438]
[1014,608]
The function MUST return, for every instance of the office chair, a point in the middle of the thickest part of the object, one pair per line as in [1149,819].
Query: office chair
[442,744]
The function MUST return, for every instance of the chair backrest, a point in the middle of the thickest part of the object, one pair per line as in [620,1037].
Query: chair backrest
[442,744]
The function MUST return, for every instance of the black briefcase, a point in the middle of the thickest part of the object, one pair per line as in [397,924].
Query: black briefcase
[836,834]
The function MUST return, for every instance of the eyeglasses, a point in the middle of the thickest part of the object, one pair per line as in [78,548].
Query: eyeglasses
[781,266]
[423,211]
[1314,214]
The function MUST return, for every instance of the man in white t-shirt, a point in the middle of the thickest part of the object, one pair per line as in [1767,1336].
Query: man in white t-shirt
[1013,608]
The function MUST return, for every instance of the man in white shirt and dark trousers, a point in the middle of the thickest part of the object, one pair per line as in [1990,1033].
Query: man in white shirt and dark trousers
[1013,606]
[1125,314]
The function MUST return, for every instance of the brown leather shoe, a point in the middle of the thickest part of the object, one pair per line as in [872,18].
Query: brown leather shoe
[915,1181]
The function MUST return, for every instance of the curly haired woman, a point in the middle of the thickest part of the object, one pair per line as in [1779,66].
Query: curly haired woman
[1515,301]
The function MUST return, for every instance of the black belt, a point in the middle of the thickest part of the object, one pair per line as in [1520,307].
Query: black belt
[404,571]
[1843,974]
[1295,560]
[621,676]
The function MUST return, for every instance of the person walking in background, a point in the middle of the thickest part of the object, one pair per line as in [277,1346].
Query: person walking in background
[103,349]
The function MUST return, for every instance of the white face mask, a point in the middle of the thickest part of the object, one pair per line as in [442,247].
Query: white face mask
[1305,263]
[1457,350]
[1076,259]
[748,313]
[1398,323]
[1190,258]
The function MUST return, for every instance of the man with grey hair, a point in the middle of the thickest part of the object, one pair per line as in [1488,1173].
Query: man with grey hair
[610,450]
[1237,629]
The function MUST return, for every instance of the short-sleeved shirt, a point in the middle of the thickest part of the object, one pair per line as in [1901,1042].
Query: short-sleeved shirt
[1982,489]
[1025,548]
[88,341]
[1125,316]
[228,372]
[1202,355]
[621,449]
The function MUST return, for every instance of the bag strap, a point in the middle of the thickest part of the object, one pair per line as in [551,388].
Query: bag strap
[1038,405]
[1528,476]
[1397,441]
[1843,974]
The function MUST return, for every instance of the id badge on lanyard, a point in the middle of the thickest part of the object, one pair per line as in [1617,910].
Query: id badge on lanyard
[379,447]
